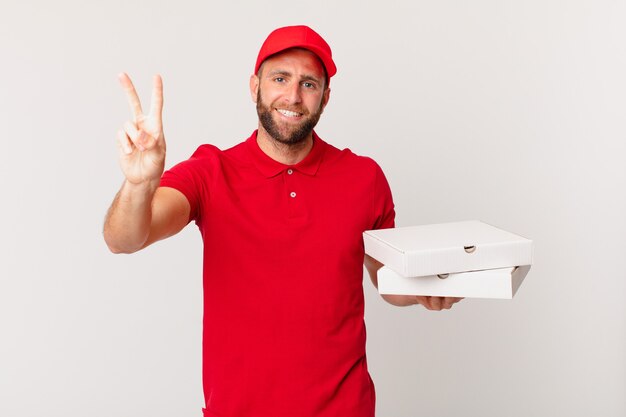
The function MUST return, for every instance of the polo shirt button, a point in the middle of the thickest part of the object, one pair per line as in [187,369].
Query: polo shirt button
[290,171]
[292,194]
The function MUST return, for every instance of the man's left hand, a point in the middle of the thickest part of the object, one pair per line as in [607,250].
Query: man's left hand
[437,303]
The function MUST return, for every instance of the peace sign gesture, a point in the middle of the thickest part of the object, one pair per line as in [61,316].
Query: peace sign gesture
[141,143]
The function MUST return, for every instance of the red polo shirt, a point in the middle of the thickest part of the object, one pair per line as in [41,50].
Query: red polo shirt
[284,334]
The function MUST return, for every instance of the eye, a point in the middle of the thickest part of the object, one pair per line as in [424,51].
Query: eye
[307,84]
[279,79]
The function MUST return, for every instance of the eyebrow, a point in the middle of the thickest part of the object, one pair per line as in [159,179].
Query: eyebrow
[305,77]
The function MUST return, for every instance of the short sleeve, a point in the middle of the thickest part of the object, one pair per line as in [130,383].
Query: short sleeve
[384,210]
[190,177]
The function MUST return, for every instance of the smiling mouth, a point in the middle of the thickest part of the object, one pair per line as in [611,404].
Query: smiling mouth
[289,113]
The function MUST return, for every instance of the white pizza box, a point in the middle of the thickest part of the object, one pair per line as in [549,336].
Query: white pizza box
[490,283]
[447,248]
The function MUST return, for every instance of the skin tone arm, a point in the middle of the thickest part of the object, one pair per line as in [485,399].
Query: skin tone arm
[430,303]
[141,212]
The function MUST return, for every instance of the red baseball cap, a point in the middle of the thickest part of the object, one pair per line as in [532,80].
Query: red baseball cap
[297,37]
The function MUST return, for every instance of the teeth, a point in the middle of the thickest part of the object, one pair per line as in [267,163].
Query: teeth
[288,113]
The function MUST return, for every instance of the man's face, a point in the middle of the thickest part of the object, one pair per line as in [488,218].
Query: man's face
[290,95]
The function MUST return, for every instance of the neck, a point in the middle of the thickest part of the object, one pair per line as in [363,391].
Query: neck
[284,153]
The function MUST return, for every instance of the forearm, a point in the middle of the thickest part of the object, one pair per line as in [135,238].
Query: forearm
[430,303]
[127,223]
[400,300]
[372,266]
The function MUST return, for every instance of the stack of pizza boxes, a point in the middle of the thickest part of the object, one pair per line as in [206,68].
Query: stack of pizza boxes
[462,259]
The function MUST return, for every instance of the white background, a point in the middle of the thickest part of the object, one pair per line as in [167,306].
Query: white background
[510,112]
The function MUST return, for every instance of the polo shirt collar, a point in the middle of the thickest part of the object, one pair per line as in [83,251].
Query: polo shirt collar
[270,168]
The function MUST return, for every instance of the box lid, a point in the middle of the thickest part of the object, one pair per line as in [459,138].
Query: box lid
[447,248]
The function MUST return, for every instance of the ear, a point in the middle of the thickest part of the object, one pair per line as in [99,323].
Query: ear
[254,87]
[325,97]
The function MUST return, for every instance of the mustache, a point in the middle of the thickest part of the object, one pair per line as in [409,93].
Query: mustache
[298,109]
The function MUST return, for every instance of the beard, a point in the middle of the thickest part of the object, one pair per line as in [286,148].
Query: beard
[292,135]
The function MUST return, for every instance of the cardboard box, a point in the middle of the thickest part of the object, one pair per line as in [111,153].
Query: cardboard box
[446,248]
[492,283]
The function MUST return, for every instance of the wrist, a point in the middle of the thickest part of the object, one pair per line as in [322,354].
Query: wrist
[401,300]
[139,190]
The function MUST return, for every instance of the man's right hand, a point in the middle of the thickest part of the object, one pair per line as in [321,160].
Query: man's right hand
[141,143]
[142,212]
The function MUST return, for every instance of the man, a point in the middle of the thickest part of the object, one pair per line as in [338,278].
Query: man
[281,216]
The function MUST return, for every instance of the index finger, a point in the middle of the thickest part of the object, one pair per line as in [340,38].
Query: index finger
[131,95]
[156,104]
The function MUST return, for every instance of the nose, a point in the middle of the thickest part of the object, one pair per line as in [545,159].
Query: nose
[293,93]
